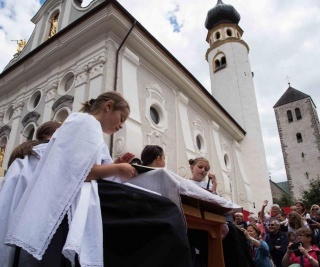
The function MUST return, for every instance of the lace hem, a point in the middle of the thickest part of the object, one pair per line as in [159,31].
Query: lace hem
[38,253]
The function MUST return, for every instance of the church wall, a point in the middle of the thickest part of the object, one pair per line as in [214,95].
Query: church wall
[158,91]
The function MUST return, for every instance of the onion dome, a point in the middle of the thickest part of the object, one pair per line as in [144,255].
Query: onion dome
[221,13]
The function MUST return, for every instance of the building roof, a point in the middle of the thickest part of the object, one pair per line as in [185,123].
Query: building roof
[284,186]
[221,13]
[289,96]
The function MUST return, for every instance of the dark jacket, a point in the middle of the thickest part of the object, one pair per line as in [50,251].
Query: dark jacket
[278,239]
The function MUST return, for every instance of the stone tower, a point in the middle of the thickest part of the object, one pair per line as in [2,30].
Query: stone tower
[298,127]
[232,85]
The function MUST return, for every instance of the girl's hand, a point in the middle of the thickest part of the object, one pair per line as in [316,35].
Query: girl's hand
[126,171]
[213,178]
[125,158]
[122,170]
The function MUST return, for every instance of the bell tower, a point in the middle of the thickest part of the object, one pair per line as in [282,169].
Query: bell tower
[232,86]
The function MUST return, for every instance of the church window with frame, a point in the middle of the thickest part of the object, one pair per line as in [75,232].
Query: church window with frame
[154,114]
[229,32]
[199,142]
[34,100]
[298,113]
[289,114]
[28,132]
[299,138]
[8,115]
[220,61]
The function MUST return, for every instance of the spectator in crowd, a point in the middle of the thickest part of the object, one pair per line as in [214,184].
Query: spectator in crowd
[313,211]
[253,219]
[238,220]
[314,225]
[277,241]
[295,221]
[293,208]
[305,253]
[282,218]
[301,209]
[258,248]
[275,210]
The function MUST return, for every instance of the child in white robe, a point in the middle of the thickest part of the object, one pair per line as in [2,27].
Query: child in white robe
[22,162]
[74,155]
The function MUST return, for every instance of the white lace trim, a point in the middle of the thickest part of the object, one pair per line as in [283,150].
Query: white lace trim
[17,241]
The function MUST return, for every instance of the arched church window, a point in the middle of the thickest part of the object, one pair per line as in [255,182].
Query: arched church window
[223,62]
[30,135]
[28,132]
[54,25]
[220,61]
[229,32]
[299,138]
[289,114]
[62,114]
[217,64]
[298,113]
[218,35]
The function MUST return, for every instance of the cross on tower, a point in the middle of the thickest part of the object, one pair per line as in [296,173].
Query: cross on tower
[288,79]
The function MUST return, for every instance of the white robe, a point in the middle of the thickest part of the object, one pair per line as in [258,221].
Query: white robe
[59,188]
[15,182]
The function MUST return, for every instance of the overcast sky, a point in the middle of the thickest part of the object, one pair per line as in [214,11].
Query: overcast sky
[283,36]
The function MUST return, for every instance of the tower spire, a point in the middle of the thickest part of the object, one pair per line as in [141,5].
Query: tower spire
[288,79]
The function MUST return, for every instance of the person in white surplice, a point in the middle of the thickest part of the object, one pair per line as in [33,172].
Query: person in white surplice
[58,195]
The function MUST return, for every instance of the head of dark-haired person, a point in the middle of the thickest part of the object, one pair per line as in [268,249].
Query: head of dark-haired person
[153,156]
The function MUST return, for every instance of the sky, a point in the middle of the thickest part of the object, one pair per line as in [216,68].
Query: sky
[283,37]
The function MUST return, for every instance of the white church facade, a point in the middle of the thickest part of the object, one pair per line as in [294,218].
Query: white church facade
[76,53]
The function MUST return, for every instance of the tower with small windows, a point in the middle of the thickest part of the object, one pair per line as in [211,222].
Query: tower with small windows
[232,85]
[298,127]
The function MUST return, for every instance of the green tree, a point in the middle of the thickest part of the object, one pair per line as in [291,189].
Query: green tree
[311,195]
[284,201]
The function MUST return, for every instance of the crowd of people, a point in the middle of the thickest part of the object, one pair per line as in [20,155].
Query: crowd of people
[278,239]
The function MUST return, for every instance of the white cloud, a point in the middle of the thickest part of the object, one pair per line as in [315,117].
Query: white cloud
[283,37]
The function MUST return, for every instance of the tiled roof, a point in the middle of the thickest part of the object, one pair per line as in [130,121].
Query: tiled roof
[289,96]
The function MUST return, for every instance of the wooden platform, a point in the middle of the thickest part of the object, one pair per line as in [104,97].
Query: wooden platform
[201,215]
